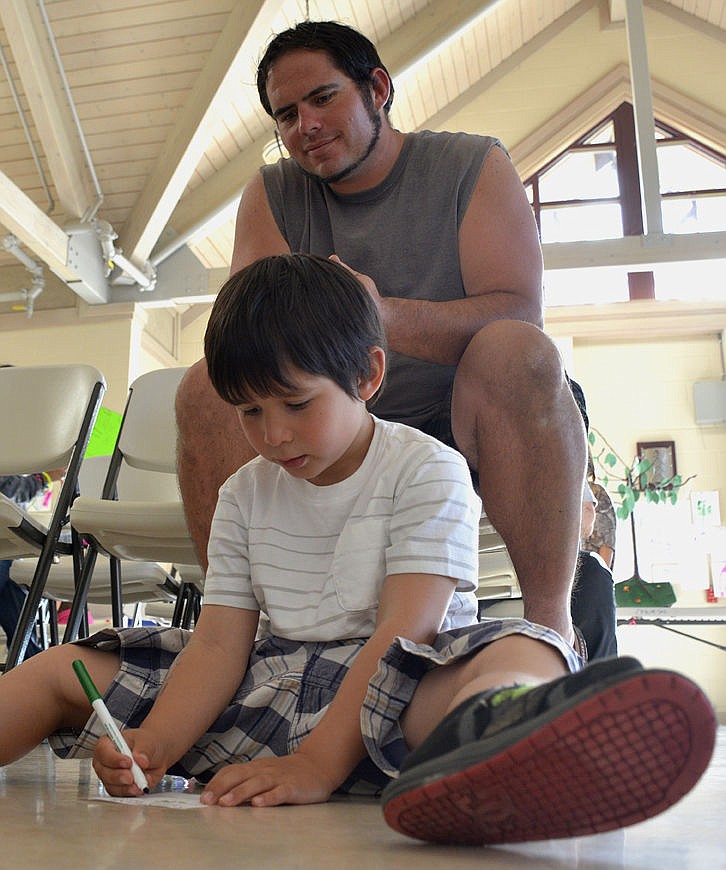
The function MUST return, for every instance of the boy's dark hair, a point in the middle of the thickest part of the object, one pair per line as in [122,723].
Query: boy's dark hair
[291,310]
[350,52]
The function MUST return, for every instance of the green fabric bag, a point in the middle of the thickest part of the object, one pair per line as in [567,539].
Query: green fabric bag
[637,592]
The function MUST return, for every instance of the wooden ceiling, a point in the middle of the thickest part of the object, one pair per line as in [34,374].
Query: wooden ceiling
[128,128]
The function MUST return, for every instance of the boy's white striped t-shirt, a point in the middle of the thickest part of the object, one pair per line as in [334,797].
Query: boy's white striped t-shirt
[313,559]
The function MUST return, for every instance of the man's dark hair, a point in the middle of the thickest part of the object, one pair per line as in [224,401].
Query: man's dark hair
[350,52]
[290,311]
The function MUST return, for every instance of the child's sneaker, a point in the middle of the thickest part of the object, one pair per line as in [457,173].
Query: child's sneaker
[606,747]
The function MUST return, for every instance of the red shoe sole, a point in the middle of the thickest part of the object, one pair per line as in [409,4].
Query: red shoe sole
[616,759]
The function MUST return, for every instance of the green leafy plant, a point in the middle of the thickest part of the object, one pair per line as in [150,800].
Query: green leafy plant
[629,481]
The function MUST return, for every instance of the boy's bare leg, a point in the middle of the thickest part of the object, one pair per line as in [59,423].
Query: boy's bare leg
[43,695]
[210,447]
[580,753]
[512,660]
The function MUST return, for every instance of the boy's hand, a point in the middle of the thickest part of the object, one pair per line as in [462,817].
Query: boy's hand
[114,769]
[269,782]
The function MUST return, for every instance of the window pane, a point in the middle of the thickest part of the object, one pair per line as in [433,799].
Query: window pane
[586,286]
[681,167]
[605,135]
[703,280]
[581,175]
[600,220]
[704,214]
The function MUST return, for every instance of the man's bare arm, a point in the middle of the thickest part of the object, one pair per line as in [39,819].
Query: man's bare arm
[501,264]
[256,233]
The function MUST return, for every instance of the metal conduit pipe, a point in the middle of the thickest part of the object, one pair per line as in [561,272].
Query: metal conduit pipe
[93,210]
[144,277]
[179,241]
[27,297]
[11,244]
[26,128]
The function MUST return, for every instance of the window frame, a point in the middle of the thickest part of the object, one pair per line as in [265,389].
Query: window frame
[641,285]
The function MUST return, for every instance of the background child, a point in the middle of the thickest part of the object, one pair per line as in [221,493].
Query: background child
[339,627]
[21,489]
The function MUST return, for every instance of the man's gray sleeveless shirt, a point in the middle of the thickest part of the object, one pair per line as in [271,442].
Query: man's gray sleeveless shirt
[403,233]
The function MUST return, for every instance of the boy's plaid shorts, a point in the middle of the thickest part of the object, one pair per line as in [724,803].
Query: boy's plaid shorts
[285,692]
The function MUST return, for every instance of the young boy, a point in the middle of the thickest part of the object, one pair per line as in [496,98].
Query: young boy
[338,647]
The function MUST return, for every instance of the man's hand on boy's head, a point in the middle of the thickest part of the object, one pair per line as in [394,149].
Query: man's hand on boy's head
[269,782]
[365,280]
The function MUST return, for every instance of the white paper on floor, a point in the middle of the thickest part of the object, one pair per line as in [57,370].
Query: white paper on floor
[169,800]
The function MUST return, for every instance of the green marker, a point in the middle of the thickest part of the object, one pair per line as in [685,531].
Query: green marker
[107,721]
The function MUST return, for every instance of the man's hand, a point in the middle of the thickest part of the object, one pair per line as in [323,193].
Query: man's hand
[114,769]
[269,782]
[366,280]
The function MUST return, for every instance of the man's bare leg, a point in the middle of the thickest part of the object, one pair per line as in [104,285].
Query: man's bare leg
[210,447]
[515,420]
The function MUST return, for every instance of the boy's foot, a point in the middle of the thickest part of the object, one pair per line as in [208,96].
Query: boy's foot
[606,747]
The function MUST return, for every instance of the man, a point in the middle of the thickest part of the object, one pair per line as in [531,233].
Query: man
[438,228]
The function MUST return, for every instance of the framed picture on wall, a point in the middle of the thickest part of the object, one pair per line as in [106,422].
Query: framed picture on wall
[662,456]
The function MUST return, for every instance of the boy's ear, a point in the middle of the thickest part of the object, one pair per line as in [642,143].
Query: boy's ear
[370,385]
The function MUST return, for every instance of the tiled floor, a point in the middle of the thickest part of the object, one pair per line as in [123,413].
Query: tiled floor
[49,818]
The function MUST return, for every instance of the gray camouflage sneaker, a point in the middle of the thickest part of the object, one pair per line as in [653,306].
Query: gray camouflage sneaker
[603,748]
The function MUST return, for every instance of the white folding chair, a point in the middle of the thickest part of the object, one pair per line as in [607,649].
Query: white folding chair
[50,411]
[141,582]
[497,577]
[152,528]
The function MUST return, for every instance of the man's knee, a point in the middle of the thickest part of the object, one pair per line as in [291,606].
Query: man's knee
[509,359]
[200,412]
[210,438]
[192,389]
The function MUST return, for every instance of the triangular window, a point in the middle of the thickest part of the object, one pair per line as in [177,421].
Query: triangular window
[592,191]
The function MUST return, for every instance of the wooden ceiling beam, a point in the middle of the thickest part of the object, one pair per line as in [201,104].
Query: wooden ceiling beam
[22,217]
[248,27]
[49,107]
[75,258]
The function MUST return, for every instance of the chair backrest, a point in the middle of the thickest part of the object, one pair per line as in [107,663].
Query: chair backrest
[148,433]
[497,576]
[50,411]
[44,409]
[133,484]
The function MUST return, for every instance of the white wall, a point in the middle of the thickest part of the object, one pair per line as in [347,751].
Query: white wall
[191,344]
[122,340]
[643,391]
[66,336]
